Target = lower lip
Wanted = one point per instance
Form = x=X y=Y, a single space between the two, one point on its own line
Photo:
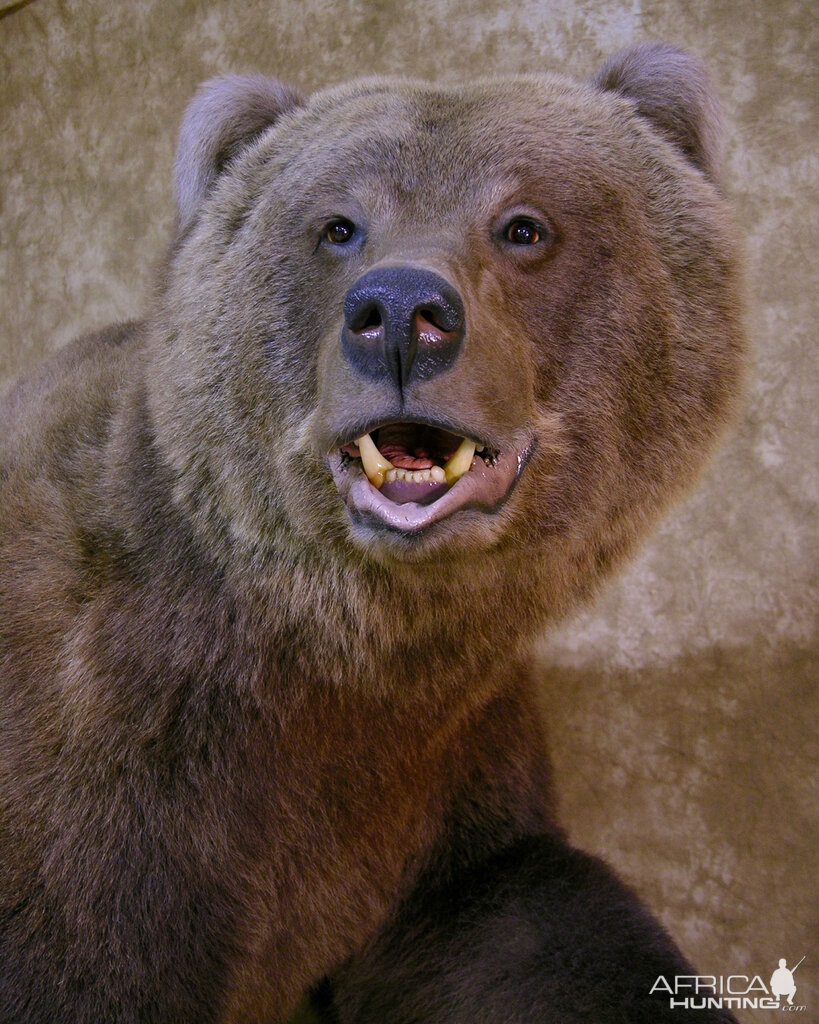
x=424 y=492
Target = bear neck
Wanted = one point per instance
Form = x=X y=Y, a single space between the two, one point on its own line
x=325 y=616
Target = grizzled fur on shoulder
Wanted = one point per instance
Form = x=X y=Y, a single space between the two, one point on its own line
x=423 y=366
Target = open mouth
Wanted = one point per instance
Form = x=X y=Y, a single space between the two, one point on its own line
x=406 y=476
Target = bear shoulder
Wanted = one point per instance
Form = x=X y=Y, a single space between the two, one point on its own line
x=64 y=406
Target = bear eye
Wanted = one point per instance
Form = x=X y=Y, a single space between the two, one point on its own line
x=339 y=231
x=522 y=231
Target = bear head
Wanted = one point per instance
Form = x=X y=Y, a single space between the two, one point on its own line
x=404 y=326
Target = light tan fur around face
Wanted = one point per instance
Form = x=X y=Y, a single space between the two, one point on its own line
x=233 y=707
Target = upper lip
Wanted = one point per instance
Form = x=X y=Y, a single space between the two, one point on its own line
x=350 y=434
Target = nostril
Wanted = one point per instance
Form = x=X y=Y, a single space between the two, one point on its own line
x=367 y=319
x=429 y=315
x=373 y=319
x=441 y=319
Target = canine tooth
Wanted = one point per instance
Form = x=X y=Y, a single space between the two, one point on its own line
x=375 y=465
x=437 y=474
x=460 y=462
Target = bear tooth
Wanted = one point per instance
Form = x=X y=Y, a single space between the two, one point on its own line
x=460 y=462
x=379 y=469
x=375 y=465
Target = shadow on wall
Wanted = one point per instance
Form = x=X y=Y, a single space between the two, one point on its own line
x=677 y=775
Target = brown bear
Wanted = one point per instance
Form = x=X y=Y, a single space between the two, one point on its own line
x=422 y=366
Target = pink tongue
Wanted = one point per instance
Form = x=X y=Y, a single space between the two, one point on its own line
x=424 y=492
x=402 y=460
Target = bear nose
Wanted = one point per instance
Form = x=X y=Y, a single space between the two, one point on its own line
x=402 y=323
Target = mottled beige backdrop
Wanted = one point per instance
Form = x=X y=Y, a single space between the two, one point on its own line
x=682 y=706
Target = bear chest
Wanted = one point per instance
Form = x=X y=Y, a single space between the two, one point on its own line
x=339 y=826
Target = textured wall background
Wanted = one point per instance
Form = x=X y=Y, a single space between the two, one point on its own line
x=682 y=705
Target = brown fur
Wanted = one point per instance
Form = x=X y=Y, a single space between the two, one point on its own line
x=237 y=728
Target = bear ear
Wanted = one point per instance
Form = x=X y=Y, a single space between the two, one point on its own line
x=225 y=116
x=673 y=91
